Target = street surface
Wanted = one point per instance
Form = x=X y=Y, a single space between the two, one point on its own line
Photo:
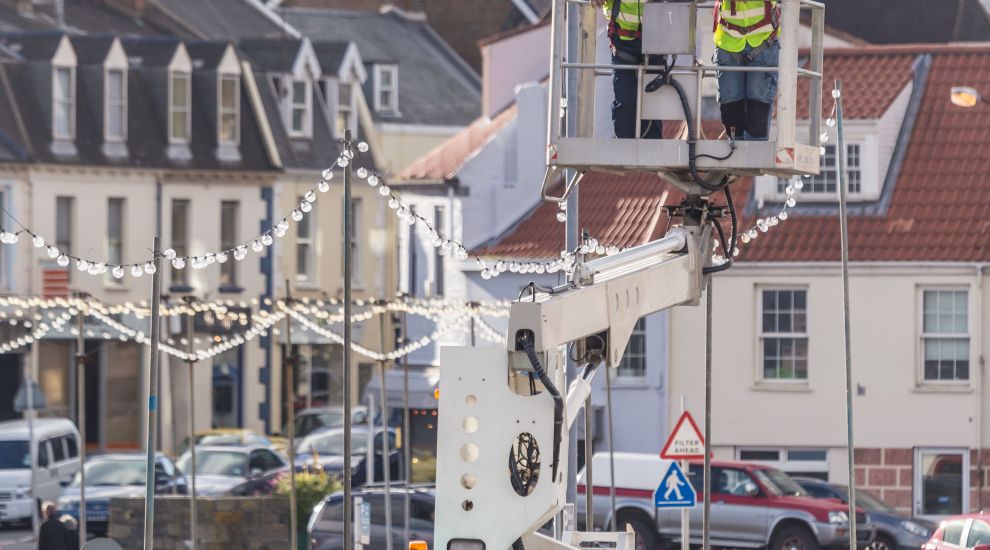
x=16 y=538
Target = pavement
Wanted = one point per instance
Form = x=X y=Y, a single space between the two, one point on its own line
x=16 y=538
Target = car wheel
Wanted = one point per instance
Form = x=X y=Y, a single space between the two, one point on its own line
x=646 y=535
x=882 y=542
x=794 y=538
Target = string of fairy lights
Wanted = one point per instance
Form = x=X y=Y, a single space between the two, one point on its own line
x=313 y=314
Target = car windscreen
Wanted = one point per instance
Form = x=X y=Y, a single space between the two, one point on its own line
x=112 y=473
x=14 y=455
x=220 y=439
x=779 y=483
x=333 y=445
x=865 y=500
x=219 y=463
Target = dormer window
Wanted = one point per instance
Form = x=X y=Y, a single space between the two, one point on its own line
x=345 y=109
x=64 y=103
x=179 y=119
x=300 y=108
x=386 y=88
x=825 y=184
x=229 y=110
x=116 y=105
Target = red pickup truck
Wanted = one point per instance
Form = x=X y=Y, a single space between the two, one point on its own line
x=752 y=506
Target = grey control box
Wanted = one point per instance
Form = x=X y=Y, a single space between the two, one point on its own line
x=669 y=27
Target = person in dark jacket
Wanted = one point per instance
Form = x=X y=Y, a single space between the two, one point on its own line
x=53 y=535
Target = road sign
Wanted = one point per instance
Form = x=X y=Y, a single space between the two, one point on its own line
x=675 y=491
x=685 y=442
x=37 y=398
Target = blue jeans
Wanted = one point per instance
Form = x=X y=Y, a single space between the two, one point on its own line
x=625 y=84
x=747 y=98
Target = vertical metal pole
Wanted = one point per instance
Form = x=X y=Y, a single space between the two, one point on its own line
x=386 y=455
x=190 y=363
x=29 y=384
x=844 y=226
x=406 y=438
x=288 y=365
x=81 y=415
x=152 y=429
x=685 y=513
x=611 y=448
x=706 y=518
x=589 y=482
x=348 y=524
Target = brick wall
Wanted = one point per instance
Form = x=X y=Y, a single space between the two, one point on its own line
x=247 y=523
x=889 y=474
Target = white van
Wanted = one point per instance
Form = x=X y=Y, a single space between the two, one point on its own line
x=56 y=442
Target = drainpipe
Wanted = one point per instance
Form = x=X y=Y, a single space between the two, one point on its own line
x=978 y=332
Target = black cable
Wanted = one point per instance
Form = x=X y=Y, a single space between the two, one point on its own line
x=728 y=248
x=558 y=401
x=692 y=139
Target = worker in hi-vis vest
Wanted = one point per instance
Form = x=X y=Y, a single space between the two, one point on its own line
x=746 y=36
x=625 y=25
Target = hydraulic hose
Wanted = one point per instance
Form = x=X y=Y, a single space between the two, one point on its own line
x=558 y=400
x=730 y=247
x=692 y=137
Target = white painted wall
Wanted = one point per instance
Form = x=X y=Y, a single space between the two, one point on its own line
x=506 y=63
x=897 y=410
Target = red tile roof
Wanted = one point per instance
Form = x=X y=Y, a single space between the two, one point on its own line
x=443 y=162
x=872 y=78
x=936 y=213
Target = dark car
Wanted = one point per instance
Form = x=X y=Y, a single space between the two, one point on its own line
x=114 y=476
x=226 y=470
x=326 y=448
x=326 y=523
x=895 y=531
x=968 y=532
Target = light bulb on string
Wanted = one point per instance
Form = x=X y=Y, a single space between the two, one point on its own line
x=562 y=216
x=211 y=258
x=297 y=215
x=384 y=190
x=240 y=253
x=373 y=180
x=328 y=174
x=169 y=254
x=267 y=239
x=118 y=272
x=305 y=206
x=38 y=241
x=310 y=196
x=136 y=271
x=362 y=146
x=342 y=161
x=179 y=263
x=362 y=172
x=799 y=185
x=348 y=153
x=323 y=186
x=791 y=202
x=257 y=246
x=62 y=260
x=82 y=265
x=393 y=203
x=150 y=268
x=783 y=216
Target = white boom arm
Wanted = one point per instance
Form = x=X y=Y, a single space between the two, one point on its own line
x=501 y=452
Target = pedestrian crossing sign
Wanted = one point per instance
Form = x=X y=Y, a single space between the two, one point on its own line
x=675 y=491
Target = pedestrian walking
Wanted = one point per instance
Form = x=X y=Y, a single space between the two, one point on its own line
x=53 y=534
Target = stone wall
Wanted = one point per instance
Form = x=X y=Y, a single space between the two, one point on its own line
x=248 y=523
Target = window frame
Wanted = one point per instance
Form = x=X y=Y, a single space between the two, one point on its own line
x=70 y=101
x=922 y=335
x=229 y=269
x=350 y=110
x=393 y=88
x=917 y=481
x=64 y=242
x=807 y=193
x=180 y=277
x=121 y=104
x=307 y=107
x=639 y=331
x=762 y=336
x=784 y=462
x=235 y=111
x=440 y=224
x=309 y=241
x=172 y=110
x=110 y=239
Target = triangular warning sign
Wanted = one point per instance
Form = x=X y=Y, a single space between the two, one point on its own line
x=685 y=442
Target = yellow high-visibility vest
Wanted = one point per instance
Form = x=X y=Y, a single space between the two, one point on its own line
x=742 y=22
x=628 y=21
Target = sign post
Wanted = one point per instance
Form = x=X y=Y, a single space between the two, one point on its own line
x=675 y=491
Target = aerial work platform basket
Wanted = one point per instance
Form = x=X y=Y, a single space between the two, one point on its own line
x=669 y=29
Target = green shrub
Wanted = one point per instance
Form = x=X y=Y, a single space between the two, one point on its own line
x=311 y=488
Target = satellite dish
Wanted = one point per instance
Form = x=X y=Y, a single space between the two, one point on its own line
x=101 y=544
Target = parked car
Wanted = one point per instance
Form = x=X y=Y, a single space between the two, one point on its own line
x=326 y=524
x=895 y=531
x=326 y=448
x=969 y=532
x=752 y=506
x=56 y=444
x=114 y=476
x=311 y=420
x=237 y=437
x=228 y=470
